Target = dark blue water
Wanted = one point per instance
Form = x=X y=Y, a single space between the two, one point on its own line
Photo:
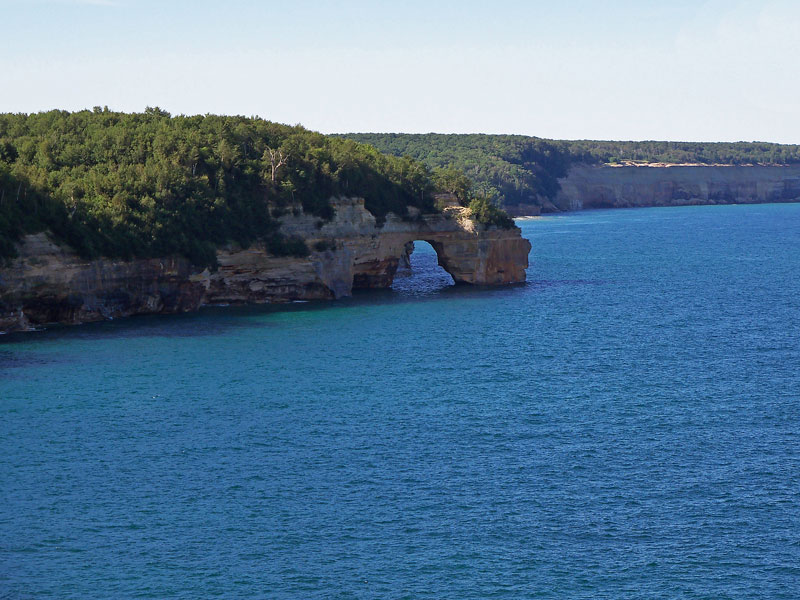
x=625 y=425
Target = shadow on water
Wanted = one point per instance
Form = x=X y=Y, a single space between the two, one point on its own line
x=423 y=276
x=210 y=321
x=218 y=320
x=10 y=360
x=426 y=281
x=194 y=324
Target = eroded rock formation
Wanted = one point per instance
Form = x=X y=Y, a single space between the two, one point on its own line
x=677 y=185
x=51 y=284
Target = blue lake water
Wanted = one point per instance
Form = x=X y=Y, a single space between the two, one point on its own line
x=624 y=425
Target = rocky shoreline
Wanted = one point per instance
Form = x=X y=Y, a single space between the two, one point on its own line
x=48 y=284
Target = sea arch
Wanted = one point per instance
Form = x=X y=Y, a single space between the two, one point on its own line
x=481 y=257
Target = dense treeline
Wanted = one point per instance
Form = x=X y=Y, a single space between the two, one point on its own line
x=517 y=169
x=706 y=153
x=149 y=184
x=511 y=168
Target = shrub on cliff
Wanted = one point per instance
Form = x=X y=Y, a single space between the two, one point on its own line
x=485 y=212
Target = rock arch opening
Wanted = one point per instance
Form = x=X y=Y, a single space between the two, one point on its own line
x=420 y=269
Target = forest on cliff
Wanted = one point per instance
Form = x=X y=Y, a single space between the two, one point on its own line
x=516 y=169
x=149 y=184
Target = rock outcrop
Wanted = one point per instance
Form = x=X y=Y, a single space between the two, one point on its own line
x=528 y=210
x=47 y=283
x=676 y=185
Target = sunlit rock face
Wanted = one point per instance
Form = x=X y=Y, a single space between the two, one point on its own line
x=677 y=185
x=471 y=253
x=51 y=284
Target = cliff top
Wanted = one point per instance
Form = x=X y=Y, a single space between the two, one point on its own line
x=149 y=184
x=661 y=165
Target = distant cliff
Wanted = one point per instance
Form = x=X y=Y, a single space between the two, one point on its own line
x=48 y=283
x=588 y=186
x=526 y=174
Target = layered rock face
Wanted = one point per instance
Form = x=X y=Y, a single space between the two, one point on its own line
x=678 y=185
x=50 y=284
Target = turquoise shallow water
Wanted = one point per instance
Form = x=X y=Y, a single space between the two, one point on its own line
x=624 y=425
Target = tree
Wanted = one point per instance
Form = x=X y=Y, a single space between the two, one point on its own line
x=453 y=181
x=276 y=161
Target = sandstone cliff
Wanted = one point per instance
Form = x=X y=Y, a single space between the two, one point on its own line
x=51 y=284
x=677 y=185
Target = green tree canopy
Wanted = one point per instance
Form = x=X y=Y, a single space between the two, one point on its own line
x=150 y=184
x=526 y=170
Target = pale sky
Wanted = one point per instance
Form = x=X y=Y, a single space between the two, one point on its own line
x=717 y=70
